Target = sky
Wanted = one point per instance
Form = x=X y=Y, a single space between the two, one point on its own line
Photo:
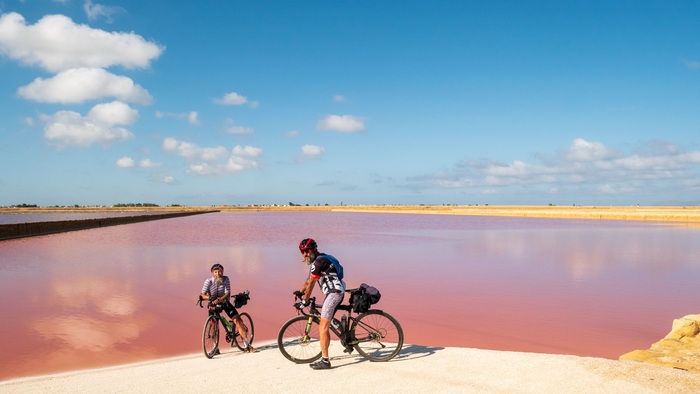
x=349 y=102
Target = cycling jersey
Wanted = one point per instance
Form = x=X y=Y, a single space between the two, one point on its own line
x=217 y=290
x=324 y=271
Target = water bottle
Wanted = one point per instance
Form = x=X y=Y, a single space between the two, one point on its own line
x=335 y=323
x=343 y=322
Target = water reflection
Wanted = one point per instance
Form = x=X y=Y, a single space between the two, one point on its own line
x=126 y=293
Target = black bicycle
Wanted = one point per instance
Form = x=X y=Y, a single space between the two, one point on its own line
x=210 y=334
x=375 y=334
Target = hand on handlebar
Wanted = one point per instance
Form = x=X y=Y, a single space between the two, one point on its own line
x=298 y=294
x=300 y=305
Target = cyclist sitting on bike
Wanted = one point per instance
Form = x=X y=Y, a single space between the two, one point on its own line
x=324 y=269
x=217 y=289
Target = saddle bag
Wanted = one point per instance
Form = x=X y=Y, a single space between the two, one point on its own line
x=364 y=297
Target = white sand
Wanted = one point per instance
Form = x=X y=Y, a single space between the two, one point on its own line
x=415 y=369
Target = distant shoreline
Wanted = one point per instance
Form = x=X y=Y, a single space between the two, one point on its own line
x=689 y=214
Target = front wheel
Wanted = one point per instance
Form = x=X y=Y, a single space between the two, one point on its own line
x=210 y=336
x=298 y=339
x=377 y=336
x=248 y=325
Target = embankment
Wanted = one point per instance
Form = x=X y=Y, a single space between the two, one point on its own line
x=19 y=230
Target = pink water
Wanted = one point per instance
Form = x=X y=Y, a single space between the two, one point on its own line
x=127 y=293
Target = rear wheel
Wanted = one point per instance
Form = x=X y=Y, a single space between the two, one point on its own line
x=248 y=324
x=377 y=336
x=210 y=336
x=298 y=339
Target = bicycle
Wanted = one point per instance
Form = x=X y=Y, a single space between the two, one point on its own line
x=375 y=334
x=210 y=334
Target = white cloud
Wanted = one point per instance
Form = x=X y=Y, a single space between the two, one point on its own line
x=582 y=150
x=341 y=123
x=163 y=178
x=125 y=162
x=247 y=151
x=230 y=128
x=66 y=128
x=148 y=163
x=114 y=113
x=27 y=120
x=232 y=98
x=191 y=151
x=192 y=116
x=338 y=98
x=214 y=161
x=55 y=43
x=291 y=134
x=77 y=85
x=310 y=152
x=95 y=11
x=584 y=165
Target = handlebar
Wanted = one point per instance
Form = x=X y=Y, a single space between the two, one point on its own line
x=311 y=305
x=201 y=300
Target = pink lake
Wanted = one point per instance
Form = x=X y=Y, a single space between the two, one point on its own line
x=127 y=293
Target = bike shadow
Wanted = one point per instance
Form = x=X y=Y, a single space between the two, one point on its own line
x=407 y=353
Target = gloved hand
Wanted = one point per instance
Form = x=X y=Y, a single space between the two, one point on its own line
x=298 y=294
x=300 y=305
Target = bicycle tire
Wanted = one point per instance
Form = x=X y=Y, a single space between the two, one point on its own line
x=210 y=336
x=295 y=345
x=376 y=335
x=248 y=323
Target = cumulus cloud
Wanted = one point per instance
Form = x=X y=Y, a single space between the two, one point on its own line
x=214 y=161
x=192 y=116
x=100 y=125
x=584 y=165
x=230 y=128
x=310 y=152
x=80 y=84
x=148 y=163
x=55 y=43
x=341 y=123
x=128 y=162
x=125 y=162
x=163 y=178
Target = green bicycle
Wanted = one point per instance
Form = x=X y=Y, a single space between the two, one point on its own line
x=210 y=334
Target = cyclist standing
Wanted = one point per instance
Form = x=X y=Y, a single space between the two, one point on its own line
x=217 y=289
x=326 y=270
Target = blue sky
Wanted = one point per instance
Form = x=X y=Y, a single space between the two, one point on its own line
x=354 y=102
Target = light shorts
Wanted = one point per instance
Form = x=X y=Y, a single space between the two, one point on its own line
x=330 y=304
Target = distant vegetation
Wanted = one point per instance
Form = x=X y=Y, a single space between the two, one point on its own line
x=138 y=205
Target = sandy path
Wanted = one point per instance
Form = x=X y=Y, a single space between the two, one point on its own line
x=416 y=369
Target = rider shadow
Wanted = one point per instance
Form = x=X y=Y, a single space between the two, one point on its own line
x=407 y=353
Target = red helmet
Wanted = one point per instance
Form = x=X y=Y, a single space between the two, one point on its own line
x=306 y=244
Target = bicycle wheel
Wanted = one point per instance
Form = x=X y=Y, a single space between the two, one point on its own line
x=248 y=324
x=296 y=344
x=377 y=336
x=210 y=336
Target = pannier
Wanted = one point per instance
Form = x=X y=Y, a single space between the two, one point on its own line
x=364 y=297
